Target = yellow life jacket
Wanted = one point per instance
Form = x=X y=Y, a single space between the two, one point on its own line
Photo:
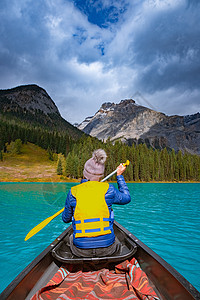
x=91 y=215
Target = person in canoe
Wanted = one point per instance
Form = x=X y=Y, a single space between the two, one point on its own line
x=89 y=207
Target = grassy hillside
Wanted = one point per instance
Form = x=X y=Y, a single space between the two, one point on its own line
x=32 y=164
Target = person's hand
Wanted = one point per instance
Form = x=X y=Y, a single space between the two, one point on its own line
x=120 y=169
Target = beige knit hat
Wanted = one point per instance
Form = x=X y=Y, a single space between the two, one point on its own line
x=94 y=167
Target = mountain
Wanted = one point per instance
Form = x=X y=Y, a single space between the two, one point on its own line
x=31 y=104
x=132 y=123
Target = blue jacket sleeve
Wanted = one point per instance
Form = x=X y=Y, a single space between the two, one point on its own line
x=122 y=196
x=68 y=211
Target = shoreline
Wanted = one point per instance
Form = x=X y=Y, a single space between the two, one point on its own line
x=62 y=179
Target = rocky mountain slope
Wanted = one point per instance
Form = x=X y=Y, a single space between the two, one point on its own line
x=31 y=104
x=129 y=122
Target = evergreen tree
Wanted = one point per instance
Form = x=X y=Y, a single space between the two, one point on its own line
x=151 y=164
x=181 y=166
x=50 y=154
x=162 y=171
x=136 y=165
x=176 y=171
x=70 y=166
x=156 y=165
x=59 y=166
x=16 y=146
x=172 y=165
x=141 y=163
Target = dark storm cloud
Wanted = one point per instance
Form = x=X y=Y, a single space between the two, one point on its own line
x=24 y=39
x=22 y=29
x=167 y=50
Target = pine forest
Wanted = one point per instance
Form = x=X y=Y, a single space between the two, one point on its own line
x=146 y=164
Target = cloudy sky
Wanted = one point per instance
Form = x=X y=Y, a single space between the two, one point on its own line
x=87 y=52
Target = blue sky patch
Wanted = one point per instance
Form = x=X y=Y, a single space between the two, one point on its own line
x=99 y=14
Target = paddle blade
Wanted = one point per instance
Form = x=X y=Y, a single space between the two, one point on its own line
x=127 y=163
x=40 y=226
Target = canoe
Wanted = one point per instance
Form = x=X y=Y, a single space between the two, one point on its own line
x=167 y=282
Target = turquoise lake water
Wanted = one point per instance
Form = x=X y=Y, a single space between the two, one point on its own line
x=164 y=216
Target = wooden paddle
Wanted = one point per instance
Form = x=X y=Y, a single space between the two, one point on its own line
x=40 y=226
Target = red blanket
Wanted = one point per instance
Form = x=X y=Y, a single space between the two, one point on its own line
x=128 y=281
